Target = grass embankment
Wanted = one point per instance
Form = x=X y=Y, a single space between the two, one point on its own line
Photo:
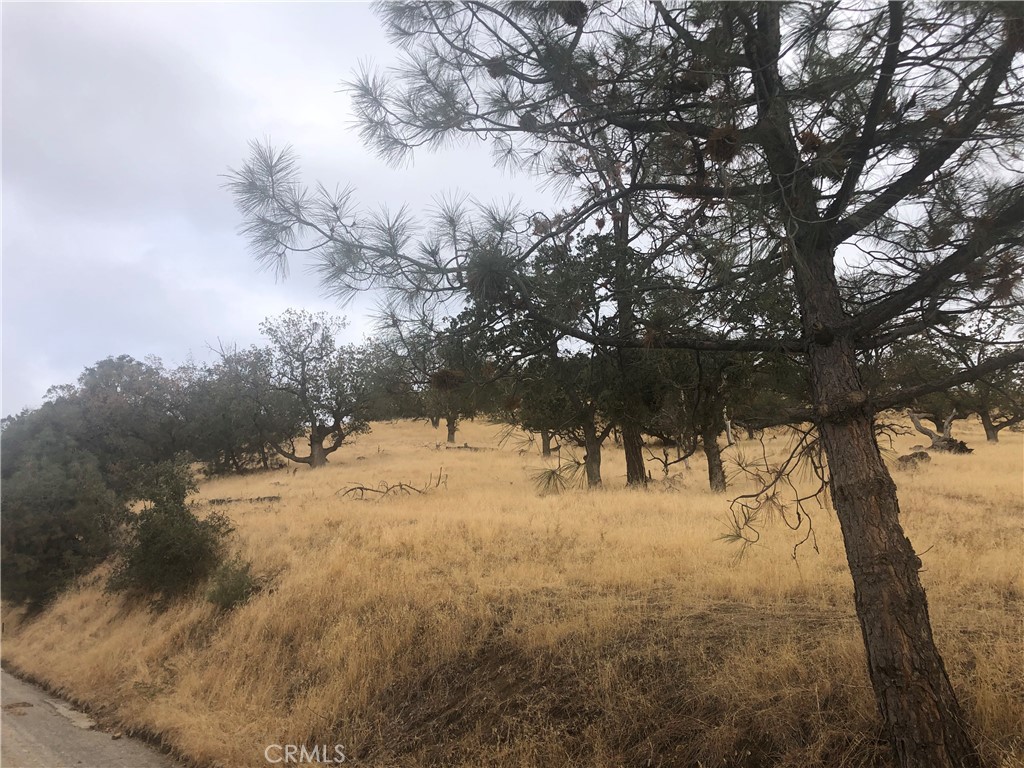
x=480 y=624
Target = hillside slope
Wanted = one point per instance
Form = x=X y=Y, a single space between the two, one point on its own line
x=479 y=623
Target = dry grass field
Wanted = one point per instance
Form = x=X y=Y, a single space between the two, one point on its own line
x=482 y=624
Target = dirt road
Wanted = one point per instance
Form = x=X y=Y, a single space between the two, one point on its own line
x=41 y=731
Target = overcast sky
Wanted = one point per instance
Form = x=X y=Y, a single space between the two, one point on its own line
x=118 y=123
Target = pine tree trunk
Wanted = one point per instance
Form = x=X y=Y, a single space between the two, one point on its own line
x=545 y=443
x=920 y=711
x=592 y=459
x=991 y=432
x=716 y=472
x=633 y=443
x=921 y=714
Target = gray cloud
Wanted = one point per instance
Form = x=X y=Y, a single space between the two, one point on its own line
x=119 y=121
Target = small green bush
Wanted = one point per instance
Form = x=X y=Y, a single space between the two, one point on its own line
x=168 y=551
x=233 y=583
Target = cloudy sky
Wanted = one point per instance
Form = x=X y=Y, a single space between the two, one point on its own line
x=119 y=121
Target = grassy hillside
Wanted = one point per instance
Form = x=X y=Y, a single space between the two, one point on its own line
x=481 y=624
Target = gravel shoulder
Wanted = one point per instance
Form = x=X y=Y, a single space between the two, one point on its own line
x=42 y=731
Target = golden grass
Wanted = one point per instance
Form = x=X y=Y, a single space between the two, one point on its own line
x=481 y=624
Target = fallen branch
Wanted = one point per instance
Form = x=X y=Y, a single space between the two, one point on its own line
x=257 y=500
x=384 y=489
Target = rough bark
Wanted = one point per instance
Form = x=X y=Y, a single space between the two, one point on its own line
x=922 y=716
x=920 y=711
x=633 y=443
x=713 y=453
x=452 y=423
x=317 y=454
x=545 y=443
x=991 y=431
x=592 y=459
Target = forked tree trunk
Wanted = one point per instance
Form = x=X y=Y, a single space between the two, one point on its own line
x=633 y=444
x=945 y=441
x=946 y=426
x=713 y=453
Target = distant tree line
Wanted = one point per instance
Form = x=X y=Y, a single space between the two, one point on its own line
x=72 y=468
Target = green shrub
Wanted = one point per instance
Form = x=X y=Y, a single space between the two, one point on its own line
x=233 y=584
x=168 y=551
